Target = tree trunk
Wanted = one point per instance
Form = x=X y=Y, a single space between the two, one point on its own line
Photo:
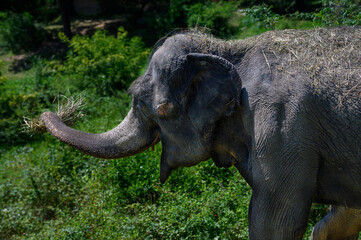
x=65 y=10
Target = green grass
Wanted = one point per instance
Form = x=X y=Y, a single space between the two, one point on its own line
x=51 y=191
x=7 y=60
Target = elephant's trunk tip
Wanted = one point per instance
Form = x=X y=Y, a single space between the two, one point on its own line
x=33 y=125
x=37 y=125
x=68 y=113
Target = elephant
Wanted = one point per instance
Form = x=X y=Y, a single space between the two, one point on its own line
x=283 y=107
x=340 y=223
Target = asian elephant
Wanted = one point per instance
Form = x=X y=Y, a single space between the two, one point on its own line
x=284 y=108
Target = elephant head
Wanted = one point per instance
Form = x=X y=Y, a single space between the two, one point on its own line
x=177 y=101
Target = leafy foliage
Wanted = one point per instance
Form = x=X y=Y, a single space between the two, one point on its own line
x=23 y=97
x=75 y=196
x=100 y=65
x=339 y=12
x=213 y=15
x=19 y=33
x=103 y=62
x=263 y=14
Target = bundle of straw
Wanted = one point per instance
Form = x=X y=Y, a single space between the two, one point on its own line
x=69 y=112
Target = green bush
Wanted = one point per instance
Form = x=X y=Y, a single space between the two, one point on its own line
x=104 y=63
x=37 y=185
x=12 y=109
x=258 y=19
x=216 y=16
x=339 y=12
x=99 y=65
x=264 y=15
x=19 y=33
x=46 y=179
x=26 y=96
x=333 y=13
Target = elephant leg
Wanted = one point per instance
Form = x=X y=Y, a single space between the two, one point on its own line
x=341 y=223
x=278 y=215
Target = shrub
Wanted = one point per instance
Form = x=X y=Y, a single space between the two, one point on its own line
x=102 y=62
x=333 y=13
x=339 y=12
x=213 y=15
x=39 y=183
x=99 y=65
x=19 y=33
x=23 y=97
x=13 y=107
x=264 y=15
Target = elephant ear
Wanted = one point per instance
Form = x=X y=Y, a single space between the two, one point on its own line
x=212 y=88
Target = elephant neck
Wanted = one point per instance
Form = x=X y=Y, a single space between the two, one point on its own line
x=232 y=144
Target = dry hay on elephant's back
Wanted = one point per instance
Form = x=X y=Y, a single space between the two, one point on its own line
x=326 y=55
x=330 y=57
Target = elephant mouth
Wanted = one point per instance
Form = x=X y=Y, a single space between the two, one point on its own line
x=155 y=142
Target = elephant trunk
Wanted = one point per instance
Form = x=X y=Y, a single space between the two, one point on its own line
x=131 y=136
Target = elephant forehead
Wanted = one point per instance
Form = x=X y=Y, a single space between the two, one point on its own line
x=171 y=49
x=164 y=78
x=162 y=60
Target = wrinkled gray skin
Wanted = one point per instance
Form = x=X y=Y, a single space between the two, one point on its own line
x=340 y=223
x=292 y=146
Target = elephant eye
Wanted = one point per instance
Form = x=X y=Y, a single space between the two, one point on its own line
x=140 y=104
